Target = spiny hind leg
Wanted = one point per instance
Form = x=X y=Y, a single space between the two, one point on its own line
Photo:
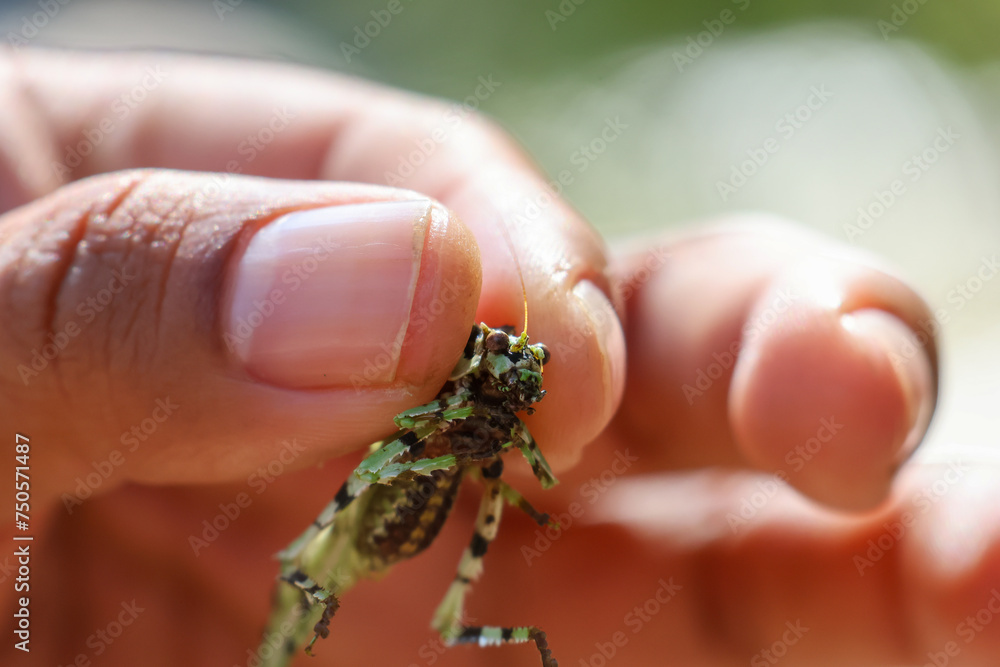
x=496 y=636
x=448 y=617
x=511 y=495
x=539 y=466
x=515 y=499
x=316 y=594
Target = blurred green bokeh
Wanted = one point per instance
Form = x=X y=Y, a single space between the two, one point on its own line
x=439 y=43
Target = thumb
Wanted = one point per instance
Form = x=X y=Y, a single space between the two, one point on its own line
x=171 y=327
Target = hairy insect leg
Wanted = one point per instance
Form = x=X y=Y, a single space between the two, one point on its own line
x=313 y=591
x=456 y=406
x=539 y=466
x=510 y=494
x=447 y=618
x=515 y=499
x=497 y=636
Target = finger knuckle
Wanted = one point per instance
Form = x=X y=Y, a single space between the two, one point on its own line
x=81 y=287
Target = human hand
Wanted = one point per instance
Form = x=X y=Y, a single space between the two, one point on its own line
x=151 y=338
x=162 y=337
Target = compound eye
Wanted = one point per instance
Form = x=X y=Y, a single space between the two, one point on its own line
x=497 y=341
x=546 y=355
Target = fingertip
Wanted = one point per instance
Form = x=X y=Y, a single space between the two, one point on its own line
x=585 y=379
x=444 y=302
x=610 y=339
x=820 y=396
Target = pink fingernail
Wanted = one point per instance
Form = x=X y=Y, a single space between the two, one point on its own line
x=322 y=297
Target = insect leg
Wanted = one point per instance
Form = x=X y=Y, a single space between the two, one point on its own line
x=313 y=591
x=456 y=406
x=510 y=494
x=366 y=474
x=472 y=353
x=447 y=618
x=515 y=499
x=530 y=449
x=496 y=636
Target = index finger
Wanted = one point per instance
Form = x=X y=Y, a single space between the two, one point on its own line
x=79 y=114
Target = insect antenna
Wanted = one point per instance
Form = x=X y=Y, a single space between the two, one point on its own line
x=523 y=339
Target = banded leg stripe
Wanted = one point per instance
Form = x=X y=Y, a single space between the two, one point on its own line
x=448 y=617
x=496 y=636
x=493 y=636
x=305 y=583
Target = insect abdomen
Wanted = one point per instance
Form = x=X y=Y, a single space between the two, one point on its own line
x=416 y=519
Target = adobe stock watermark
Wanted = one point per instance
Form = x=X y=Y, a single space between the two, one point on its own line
x=958 y=297
x=85 y=313
x=705 y=377
x=249 y=149
x=33 y=24
x=652 y=262
x=750 y=505
x=967 y=630
x=785 y=128
x=562 y=12
x=258 y=481
x=274 y=642
x=967 y=290
x=580 y=159
x=452 y=117
x=697 y=44
x=922 y=501
x=635 y=621
x=363 y=34
x=121 y=107
x=624 y=289
x=132 y=439
x=101 y=639
x=771 y=655
x=290 y=280
x=912 y=170
x=589 y=493
x=7 y=569
x=901 y=13
x=433 y=649
x=421 y=317
x=223 y=7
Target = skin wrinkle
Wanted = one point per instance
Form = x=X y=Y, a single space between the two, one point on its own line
x=78 y=231
x=115 y=211
x=184 y=222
